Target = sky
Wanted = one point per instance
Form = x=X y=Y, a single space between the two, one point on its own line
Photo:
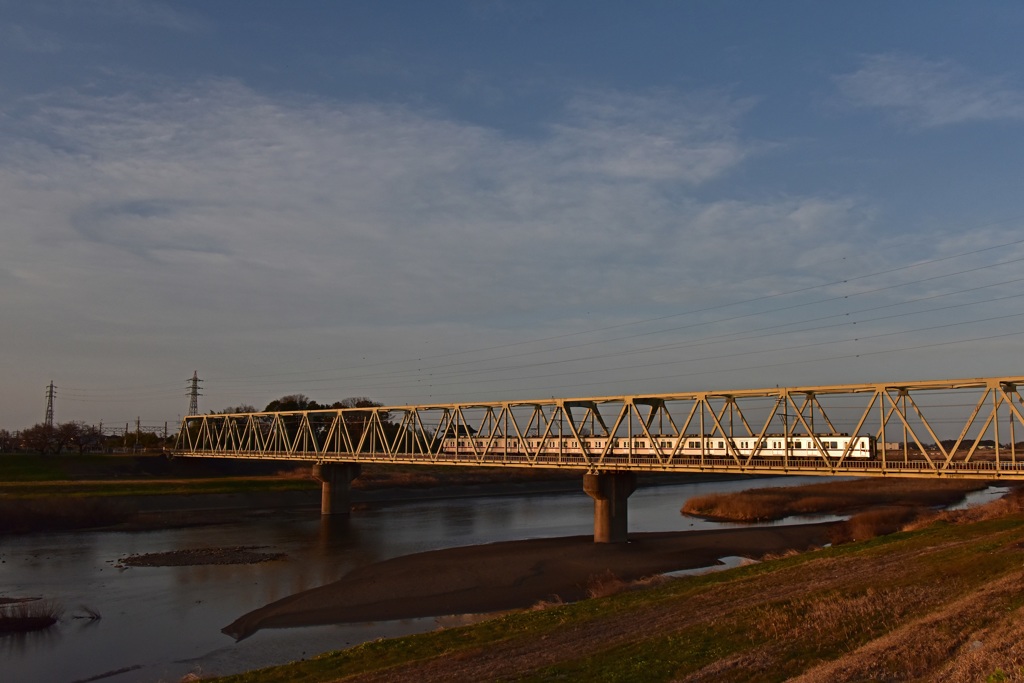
x=456 y=201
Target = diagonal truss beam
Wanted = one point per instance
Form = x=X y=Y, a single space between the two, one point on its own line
x=936 y=428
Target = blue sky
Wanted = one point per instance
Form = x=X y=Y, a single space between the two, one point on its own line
x=457 y=201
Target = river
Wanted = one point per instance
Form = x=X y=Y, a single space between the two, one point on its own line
x=162 y=623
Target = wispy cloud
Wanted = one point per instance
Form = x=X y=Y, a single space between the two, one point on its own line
x=337 y=194
x=140 y=12
x=931 y=93
x=657 y=136
x=208 y=216
x=27 y=39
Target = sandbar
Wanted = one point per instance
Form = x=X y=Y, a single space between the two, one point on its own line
x=514 y=575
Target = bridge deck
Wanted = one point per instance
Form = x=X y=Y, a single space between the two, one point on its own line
x=862 y=468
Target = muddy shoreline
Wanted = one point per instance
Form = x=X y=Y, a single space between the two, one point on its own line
x=515 y=575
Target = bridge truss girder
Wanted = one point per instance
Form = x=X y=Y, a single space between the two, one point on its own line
x=560 y=433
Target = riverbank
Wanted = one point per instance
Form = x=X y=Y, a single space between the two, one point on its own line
x=33 y=503
x=940 y=601
x=515 y=575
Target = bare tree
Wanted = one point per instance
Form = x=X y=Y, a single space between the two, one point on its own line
x=83 y=437
x=8 y=442
x=40 y=438
x=235 y=410
x=292 y=402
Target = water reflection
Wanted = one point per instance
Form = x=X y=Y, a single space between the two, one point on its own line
x=18 y=644
x=986 y=495
x=164 y=622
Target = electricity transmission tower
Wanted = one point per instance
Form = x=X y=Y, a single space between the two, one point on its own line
x=193 y=394
x=51 y=392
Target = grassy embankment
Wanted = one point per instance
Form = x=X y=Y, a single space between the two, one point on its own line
x=42 y=493
x=939 y=601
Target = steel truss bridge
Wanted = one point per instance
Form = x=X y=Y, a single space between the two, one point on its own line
x=966 y=428
x=817 y=430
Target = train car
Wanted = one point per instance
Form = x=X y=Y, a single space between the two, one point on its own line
x=688 y=446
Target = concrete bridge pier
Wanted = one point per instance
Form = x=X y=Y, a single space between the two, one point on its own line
x=335 y=486
x=610 y=491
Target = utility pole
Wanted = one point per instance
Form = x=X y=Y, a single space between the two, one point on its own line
x=193 y=393
x=51 y=393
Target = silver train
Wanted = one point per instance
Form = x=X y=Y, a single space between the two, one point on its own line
x=687 y=446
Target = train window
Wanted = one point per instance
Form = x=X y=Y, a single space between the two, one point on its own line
x=797 y=444
x=721 y=444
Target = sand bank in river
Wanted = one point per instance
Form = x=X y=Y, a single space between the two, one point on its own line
x=513 y=575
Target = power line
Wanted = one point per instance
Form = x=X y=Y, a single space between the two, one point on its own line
x=470 y=371
x=446 y=370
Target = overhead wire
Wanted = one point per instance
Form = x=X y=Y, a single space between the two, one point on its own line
x=678 y=345
x=431 y=375
x=590 y=331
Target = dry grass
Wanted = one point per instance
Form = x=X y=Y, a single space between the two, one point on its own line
x=758 y=505
x=832 y=616
x=780 y=556
x=967 y=639
x=1011 y=503
x=29 y=615
x=866 y=525
x=540 y=605
x=606 y=584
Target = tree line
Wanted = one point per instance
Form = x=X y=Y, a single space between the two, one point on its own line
x=74 y=437
x=298 y=402
x=79 y=437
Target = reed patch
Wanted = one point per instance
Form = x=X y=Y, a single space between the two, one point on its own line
x=843 y=497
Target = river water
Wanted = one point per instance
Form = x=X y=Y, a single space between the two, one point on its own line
x=161 y=623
